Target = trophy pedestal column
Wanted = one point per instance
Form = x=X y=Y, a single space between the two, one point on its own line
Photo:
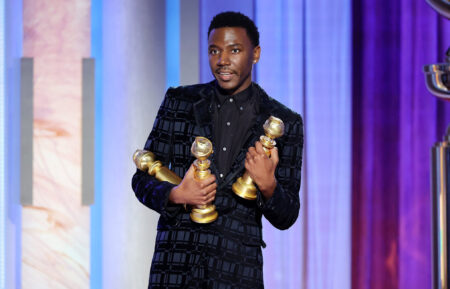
x=202 y=149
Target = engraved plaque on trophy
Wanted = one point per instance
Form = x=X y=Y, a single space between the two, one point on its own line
x=273 y=128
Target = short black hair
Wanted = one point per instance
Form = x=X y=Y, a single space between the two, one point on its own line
x=235 y=19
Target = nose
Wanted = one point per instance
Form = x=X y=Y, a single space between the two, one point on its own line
x=223 y=59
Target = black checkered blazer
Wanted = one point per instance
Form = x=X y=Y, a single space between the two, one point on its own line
x=227 y=252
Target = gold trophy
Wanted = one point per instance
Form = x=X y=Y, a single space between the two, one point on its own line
x=146 y=161
x=273 y=128
x=202 y=148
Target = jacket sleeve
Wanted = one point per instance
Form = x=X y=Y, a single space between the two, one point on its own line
x=151 y=192
x=282 y=209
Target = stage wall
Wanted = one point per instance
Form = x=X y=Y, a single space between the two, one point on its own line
x=351 y=69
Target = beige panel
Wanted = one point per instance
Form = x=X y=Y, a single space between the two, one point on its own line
x=55 y=228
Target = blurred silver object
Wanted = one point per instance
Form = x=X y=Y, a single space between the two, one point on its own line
x=441 y=6
x=437 y=78
x=440 y=185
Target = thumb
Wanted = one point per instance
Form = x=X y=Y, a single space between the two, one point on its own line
x=190 y=172
x=274 y=155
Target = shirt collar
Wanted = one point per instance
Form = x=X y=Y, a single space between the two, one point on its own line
x=239 y=98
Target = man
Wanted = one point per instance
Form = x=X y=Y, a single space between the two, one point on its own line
x=229 y=111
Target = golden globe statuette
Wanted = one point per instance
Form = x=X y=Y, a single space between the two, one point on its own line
x=146 y=161
x=273 y=128
x=202 y=148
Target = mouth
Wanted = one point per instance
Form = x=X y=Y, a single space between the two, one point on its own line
x=224 y=75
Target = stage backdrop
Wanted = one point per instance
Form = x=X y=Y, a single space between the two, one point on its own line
x=395 y=123
x=352 y=69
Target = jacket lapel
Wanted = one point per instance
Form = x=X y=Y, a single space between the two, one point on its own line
x=203 y=112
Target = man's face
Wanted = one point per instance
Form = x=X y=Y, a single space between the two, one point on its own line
x=231 y=57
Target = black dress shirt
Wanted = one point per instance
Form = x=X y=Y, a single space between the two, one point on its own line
x=233 y=117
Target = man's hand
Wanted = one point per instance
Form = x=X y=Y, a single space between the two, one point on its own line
x=194 y=192
x=262 y=168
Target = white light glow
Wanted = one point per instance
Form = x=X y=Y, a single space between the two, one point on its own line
x=2 y=146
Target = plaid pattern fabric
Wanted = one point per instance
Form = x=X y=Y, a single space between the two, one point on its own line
x=227 y=252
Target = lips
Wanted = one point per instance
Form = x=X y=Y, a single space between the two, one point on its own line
x=224 y=75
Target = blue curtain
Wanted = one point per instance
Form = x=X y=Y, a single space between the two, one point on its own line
x=306 y=64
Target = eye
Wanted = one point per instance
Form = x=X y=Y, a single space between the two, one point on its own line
x=235 y=50
x=213 y=51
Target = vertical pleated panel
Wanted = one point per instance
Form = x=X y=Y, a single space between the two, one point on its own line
x=306 y=64
x=55 y=226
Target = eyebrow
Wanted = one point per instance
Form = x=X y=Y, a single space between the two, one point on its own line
x=230 y=45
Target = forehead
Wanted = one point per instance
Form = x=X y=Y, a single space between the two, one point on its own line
x=228 y=36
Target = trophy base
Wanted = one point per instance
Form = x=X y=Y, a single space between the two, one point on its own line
x=204 y=214
x=244 y=190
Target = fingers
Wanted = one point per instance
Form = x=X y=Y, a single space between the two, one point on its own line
x=208 y=181
x=211 y=179
x=259 y=165
x=209 y=198
x=193 y=191
x=190 y=172
x=209 y=188
x=206 y=197
x=252 y=152
x=274 y=155
x=255 y=153
x=259 y=148
x=258 y=151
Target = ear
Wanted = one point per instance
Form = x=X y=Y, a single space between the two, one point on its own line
x=256 y=54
